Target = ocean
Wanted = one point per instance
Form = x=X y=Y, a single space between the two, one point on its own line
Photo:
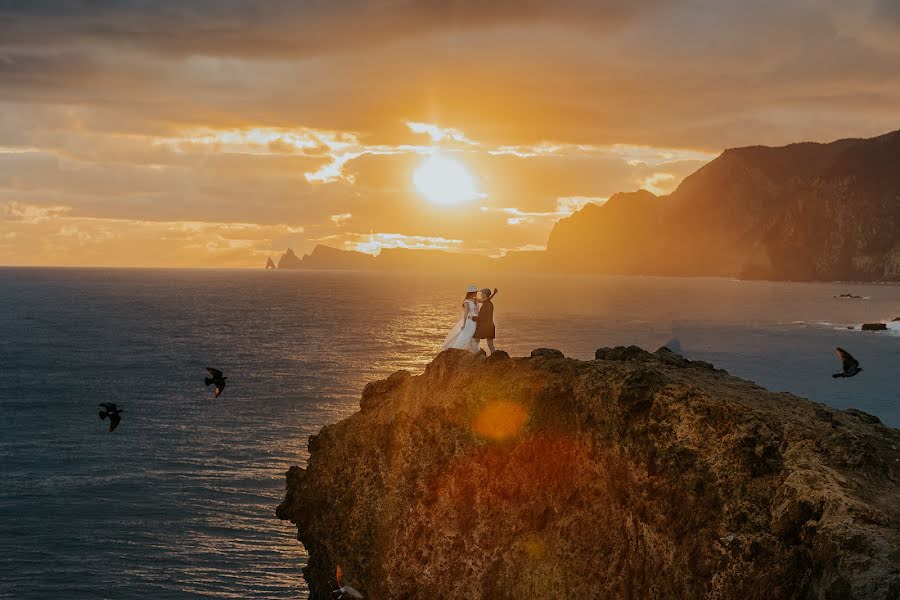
x=179 y=501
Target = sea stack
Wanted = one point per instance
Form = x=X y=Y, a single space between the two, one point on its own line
x=635 y=475
x=270 y=264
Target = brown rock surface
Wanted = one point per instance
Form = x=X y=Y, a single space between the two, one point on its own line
x=638 y=477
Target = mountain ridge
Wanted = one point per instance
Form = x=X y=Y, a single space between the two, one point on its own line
x=804 y=211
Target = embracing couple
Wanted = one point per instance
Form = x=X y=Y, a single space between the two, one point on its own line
x=476 y=324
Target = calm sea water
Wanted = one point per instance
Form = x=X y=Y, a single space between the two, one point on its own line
x=179 y=501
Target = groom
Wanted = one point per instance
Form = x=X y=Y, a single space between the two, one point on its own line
x=484 y=320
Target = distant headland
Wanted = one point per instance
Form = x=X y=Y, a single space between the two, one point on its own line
x=802 y=212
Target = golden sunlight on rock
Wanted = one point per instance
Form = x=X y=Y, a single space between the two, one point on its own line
x=500 y=419
x=534 y=548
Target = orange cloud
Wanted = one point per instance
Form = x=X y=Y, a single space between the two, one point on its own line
x=340 y=219
x=374 y=243
x=303 y=114
x=34 y=235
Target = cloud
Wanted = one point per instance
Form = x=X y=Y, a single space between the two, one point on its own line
x=312 y=181
x=572 y=204
x=660 y=183
x=27 y=213
x=35 y=235
x=374 y=243
x=440 y=134
x=503 y=72
x=565 y=207
x=285 y=114
x=283 y=27
x=340 y=219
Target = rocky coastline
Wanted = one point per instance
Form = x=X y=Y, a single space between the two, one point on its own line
x=635 y=475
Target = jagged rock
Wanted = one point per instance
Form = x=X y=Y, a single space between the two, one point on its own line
x=671 y=357
x=376 y=391
x=874 y=327
x=519 y=478
x=270 y=264
x=546 y=353
x=622 y=353
x=705 y=365
x=863 y=416
x=498 y=355
x=289 y=260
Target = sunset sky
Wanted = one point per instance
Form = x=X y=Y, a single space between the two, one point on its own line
x=219 y=132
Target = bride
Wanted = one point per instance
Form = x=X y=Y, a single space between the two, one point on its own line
x=460 y=336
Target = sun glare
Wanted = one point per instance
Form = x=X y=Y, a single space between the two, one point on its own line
x=445 y=181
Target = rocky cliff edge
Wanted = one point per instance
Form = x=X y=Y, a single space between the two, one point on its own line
x=635 y=475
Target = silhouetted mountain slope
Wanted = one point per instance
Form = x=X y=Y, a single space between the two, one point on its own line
x=389 y=259
x=610 y=238
x=289 y=260
x=803 y=211
x=326 y=257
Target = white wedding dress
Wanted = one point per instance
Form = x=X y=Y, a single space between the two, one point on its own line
x=460 y=337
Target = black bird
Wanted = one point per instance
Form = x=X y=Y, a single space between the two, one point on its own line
x=848 y=363
x=217 y=379
x=112 y=412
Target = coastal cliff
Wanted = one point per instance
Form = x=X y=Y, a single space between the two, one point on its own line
x=635 y=475
x=807 y=211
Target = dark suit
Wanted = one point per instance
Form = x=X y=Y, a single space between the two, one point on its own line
x=484 y=322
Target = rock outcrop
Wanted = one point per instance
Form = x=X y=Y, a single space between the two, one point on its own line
x=635 y=475
x=289 y=260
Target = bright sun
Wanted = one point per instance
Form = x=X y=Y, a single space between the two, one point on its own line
x=445 y=181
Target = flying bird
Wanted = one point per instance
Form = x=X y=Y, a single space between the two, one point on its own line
x=343 y=591
x=112 y=412
x=849 y=364
x=217 y=378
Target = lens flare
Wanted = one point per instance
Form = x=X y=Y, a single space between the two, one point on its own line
x=500 y=419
